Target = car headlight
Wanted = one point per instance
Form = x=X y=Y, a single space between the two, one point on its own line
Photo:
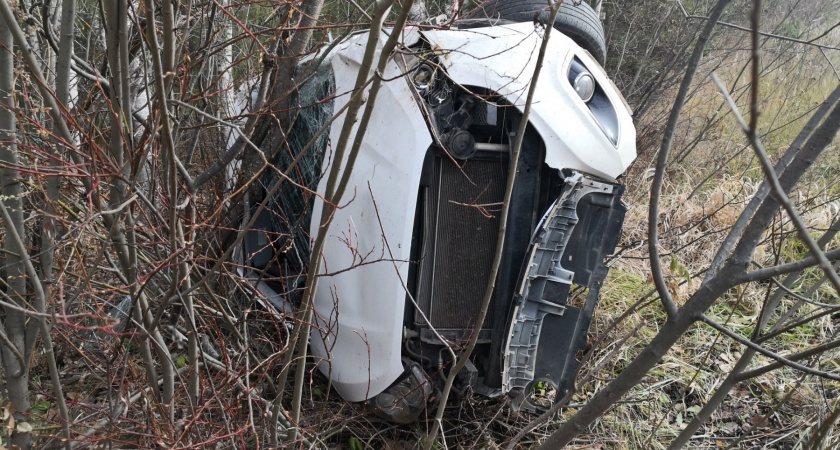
x=595 y=99
x=582 y=81
x=423 y=77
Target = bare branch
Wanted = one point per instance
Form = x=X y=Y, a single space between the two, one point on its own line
x=753 y=30
x=781 y=269
x=334 y=195
x=500 y=239
x=816 y=351
x=777 y=189
x=39 y=306
x=662 y=160
x=759 y=349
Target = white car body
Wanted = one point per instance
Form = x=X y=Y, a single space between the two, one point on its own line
x=360 y=304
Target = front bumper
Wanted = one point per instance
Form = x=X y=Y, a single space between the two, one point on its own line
x=547 y=331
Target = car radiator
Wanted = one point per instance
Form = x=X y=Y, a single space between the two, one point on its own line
x=461 y=214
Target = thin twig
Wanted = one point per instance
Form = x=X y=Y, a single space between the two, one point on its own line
x=500 y=240
x=754 y=31
x=668 y=303
x=781 y=269
x=758 y=348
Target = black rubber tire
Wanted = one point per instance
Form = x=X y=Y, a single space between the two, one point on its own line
x=579 y=22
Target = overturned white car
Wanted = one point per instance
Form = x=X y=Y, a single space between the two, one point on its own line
x=409 y=253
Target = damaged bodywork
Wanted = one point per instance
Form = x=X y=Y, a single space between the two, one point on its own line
x=408 y=257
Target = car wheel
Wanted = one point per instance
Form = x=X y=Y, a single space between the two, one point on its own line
x=575 y=19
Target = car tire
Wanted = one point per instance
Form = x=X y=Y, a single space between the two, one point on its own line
x=577 y=21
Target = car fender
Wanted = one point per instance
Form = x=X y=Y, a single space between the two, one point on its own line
x=359 y=305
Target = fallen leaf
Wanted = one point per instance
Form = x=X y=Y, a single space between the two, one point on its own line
x=729 y=427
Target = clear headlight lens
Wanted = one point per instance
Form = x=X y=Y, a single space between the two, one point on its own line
x=582 y=80
x=584 y=85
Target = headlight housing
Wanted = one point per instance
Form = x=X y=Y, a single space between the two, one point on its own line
x=595 y=99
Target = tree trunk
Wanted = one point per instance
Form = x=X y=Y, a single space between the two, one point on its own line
x=16 y=373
